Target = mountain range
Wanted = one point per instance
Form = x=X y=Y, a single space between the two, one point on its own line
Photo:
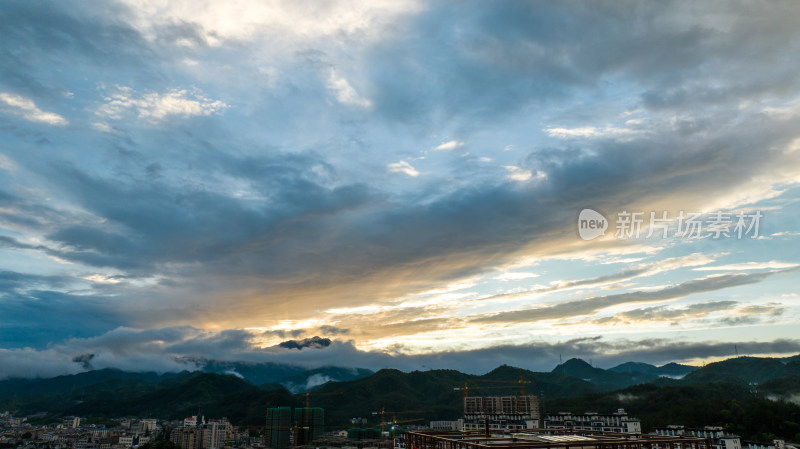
x=730 y=393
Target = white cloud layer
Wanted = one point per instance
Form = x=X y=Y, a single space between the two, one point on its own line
x=156 y=107
x=449 y=145
x=243 y=20
x=27 y=109
x=344 y=92
x=403 y=167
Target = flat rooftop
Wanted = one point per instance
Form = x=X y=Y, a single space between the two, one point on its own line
x=549 y=439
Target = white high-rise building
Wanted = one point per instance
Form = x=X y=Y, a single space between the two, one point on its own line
x=192 y=421
x=501 y=412
x=216 y=433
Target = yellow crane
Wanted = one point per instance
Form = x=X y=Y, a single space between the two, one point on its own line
x=308 y=395
x=306 y=421
x=383 y=413
x=394 y=422
x=521 y=382
x=465 y=389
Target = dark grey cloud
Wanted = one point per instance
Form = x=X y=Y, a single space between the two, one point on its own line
x=669 y=314
x=27 y=213
x=283 y=333
x=162 y=224
x=11 y=281
x=40 y=37
x=488 y=61
x=333 y=330
x=736 y=316
x=591 y=305
x=230 y=341
x=614 y=277
x=84 y=360
x=37 y=317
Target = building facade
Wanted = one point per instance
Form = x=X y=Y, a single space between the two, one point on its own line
x=719 y=438
x=187 y=437
x=215 y=433
x=309 y=424
x=501 y=412
x=279 y=423
x=618 y=422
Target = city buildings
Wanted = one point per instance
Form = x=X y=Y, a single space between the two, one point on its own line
x=73 y=433
x=147 y=425
x=197 y=434
x=720 y=439
x=615 y=422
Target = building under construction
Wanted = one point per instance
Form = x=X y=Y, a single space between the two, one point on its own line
x=549 y=439
x=501 y=412
x=283 y=432
x=279 y=426
x=309 y=424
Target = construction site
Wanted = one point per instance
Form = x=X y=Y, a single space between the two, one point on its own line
x=548 y=439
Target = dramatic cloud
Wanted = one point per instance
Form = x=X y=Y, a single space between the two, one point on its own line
x=407 y=174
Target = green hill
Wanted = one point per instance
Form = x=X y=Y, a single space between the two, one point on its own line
x=733 y=406
x=600 y=378
x=429 y=393
x=669 y=370
x=743 y=370
x=293 y=378
x=549 y=385
x=10 y=388
x=177 y=397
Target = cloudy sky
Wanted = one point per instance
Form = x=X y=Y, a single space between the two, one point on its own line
x=211 y=178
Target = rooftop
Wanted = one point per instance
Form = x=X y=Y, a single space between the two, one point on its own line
x=549 y=439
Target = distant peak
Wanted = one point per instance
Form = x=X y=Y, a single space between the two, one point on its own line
x=576 y=362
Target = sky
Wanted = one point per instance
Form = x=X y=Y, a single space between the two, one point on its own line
x=207 y=179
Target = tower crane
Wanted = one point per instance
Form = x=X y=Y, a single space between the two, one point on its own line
x=383 y=413
x=306 y=424
x=521 y=382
